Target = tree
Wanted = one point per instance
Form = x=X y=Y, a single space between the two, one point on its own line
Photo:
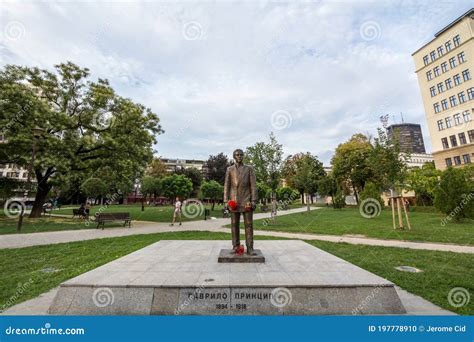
x=328 y=186
x=176 y=186
x=150 y=185
x=303 y=172
x=94 y=187
x=8 y=187
x=351 y=163
x=194 y=175
x=212 y=190
x=263 y=192
x=78 y=126
x=454 y=196
x=216 y=167
x=387 y=163
x=157 y=168
x=286 y=193
x=266 y=158
x=309 y=171
x=372 y=191
x=423 y=181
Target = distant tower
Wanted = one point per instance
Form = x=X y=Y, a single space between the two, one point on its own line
x=409 y=136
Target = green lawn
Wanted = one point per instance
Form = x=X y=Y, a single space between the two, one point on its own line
x=442 y=271
x=151 y=213
x=45 y=224
x=27 y=272
x=426 y=226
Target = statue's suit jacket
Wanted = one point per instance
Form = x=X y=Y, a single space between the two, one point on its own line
x=240 y=186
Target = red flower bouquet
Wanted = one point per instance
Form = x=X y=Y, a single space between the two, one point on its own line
x=232 y=205
x=239 y=250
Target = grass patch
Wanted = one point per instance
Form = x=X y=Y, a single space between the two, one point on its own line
x=151 y=213
x=442 y=271
x=45 y=224
x=40 y=268
x=426 y=226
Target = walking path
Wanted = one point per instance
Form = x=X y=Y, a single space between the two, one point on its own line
x=142 y=227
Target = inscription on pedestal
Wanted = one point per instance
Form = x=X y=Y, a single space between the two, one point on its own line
x=222 y=301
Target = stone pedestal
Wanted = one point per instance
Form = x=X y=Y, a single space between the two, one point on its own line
x=228 y=255
x=184 y=278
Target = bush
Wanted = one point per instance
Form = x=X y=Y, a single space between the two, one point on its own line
x=287 y=194
x=371 y=191
x=454 y=195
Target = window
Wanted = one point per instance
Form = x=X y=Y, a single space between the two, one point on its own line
x=433 y=55
x=470 y=134
x=470 y=93
x=457 y=119
x=444 y=141
x=447 y=45
x=448 y=84
x=426 y=60
x=440 y=125
x=462 y=138
x=448 y=162
x=440 y=50
x=453 y=101
x=461 y=97
x=466 y=159
x=444 y=104
x=453 y=140
x=448 y=122
x=457 y=79
x=444 y=67
x=466 y=116
x=436 y=71
x=457 y=160
x=466 y=75
x=461 y=57
x=452 y=62
x=433 y=91
x=436 y=107
x=457 y=40
x=429 y=76
x=440 y=87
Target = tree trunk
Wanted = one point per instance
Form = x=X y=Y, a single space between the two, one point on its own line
x=40 y=197
x=213 y=202
x=274 y=207
x=356 y=195
x=302 y=197
x=307 y=202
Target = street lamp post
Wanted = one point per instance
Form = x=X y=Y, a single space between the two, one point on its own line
x=36 y=134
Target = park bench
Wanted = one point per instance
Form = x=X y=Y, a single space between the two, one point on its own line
x=79 y=212
x=110 y=217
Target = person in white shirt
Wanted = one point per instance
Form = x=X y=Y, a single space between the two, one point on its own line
x=177 y=212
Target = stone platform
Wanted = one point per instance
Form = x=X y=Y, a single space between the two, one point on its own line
x=228 y=255
x=184 y=277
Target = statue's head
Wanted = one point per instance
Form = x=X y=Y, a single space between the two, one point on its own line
x=238 y=155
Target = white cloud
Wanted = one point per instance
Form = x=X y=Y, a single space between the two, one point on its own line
x=217 y=90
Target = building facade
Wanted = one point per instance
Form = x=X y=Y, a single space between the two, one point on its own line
x=409 y=136
x=174 y=164
x=418 y=160
x=444 y=67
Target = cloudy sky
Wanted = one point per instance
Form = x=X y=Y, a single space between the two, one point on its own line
x=224 y=74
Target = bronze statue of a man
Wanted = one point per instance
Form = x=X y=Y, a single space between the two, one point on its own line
x=240 y=197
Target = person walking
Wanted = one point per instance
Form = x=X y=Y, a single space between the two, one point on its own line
x=177 y=212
